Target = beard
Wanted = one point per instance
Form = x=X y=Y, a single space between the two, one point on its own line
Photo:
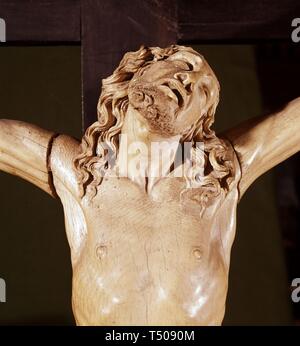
x=159 y=110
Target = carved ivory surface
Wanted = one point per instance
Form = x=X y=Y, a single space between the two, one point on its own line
x=150 y=193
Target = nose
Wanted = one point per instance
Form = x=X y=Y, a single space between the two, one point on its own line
x=183 y=77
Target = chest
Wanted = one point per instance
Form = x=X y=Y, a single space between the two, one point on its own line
x=123 y=220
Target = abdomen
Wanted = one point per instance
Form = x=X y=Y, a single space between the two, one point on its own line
x=149 y=283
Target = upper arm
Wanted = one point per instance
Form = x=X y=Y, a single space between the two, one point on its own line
x=264 y=142
x=24 y=151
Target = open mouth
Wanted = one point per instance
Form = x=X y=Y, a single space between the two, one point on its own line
x=175 y=90
x=179 y=97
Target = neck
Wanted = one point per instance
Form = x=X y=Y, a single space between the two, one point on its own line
x=144 y=157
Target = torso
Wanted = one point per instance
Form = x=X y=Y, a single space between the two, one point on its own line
x=151 y=260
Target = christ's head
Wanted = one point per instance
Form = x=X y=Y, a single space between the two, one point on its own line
x=173 y=94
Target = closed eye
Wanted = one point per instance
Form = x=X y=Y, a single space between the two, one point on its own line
x=189 y=65
x=184 y=65
x=143 y=70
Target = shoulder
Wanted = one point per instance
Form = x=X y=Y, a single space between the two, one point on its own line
x=63 y=152
x=263 y=142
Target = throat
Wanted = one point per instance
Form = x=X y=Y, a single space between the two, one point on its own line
x=144 y=157
x=148 y=164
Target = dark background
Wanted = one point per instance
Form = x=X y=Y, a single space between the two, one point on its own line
x=43 y=75
x=40 y=85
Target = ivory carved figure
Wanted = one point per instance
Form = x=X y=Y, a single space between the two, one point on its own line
x=151 y=238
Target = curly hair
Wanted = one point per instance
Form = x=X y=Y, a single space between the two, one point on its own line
x=102 y=136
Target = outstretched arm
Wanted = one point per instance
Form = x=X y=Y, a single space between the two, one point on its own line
x=24 y=151
x=46 y=160
x=263 y=142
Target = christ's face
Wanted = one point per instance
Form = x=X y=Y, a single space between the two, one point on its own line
x=170 y=94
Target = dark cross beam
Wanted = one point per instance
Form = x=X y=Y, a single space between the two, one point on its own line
x=107 y=29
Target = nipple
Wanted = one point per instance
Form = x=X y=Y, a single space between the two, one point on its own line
x=101 y=252
x=198 y=253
